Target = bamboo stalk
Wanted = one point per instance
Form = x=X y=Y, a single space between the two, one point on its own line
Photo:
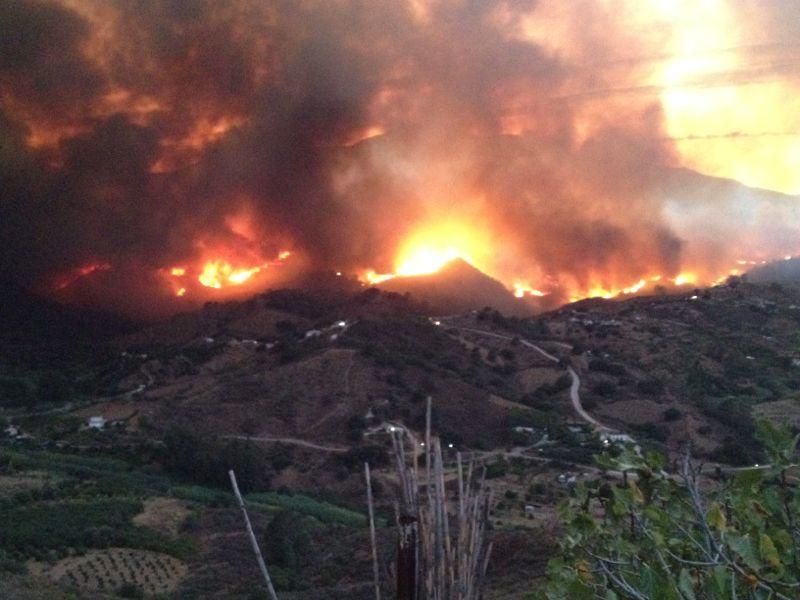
x=451 y=558
x=261 y=564
x=375 y=571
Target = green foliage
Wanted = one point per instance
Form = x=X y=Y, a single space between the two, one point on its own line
x=91 y=524
x=355 y=457
x=86 y=502
x=204 y=460
x=497 y=469
x=202 y=495
x=17 y=391
x=54 y=387
x=287 y=544
x=604 y=366
x=660 y=537
x=130 y=590
x=304 y=505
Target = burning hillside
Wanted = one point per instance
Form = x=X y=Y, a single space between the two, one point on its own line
x=154 y=156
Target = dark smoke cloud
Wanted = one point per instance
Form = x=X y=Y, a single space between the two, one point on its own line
x=131 y=131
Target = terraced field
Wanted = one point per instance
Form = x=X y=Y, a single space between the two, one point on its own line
x=112 y=568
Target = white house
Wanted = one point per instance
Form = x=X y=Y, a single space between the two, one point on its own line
x=616 y=438
x=98 y=422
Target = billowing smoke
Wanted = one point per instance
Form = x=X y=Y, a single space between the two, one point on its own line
x=141 y=137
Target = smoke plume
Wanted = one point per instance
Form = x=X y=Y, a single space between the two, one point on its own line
x=139 y=139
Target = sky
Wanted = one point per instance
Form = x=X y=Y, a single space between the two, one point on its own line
x=159 y=154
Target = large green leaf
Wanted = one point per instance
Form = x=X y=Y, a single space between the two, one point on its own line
x=716 y=517
x=743 y=548
x=686 y=585
x=768 y=551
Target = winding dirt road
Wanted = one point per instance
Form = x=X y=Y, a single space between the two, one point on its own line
x=285 y=440
x=574 y=390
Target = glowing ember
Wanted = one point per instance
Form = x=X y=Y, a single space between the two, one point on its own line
x=178 y=271
x=181 y=292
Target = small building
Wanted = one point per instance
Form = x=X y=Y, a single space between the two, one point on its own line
x=616 y=438
x=12 y=431
x=530 y=511
x=528 y=430
x=567 y=479
x=312 y=333
x=97 y=422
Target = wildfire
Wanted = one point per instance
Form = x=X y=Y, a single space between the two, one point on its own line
x=431 y=247
x=218 y=273
x=685 y=279
x=374 y=278
x=523 y=289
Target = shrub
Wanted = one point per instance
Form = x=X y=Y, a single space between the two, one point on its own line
x=734 y=541
x=497 y=469
x=287 y=542
x=650 y=387
x=53 y=386
x=307 y=506
x=604 y=366
x=604 y=388
x=17 y=391
x=130 y=590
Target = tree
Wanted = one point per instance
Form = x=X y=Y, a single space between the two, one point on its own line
x=287 y=546
x=661 y=536
x=17 y=391
x=54 y=386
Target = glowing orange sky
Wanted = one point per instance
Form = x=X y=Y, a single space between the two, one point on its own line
x=540 y=142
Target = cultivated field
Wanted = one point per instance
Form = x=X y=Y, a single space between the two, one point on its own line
x=112 y=568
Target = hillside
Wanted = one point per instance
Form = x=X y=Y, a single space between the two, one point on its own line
x=296 y=389
x=456 y=288
x=782 y=271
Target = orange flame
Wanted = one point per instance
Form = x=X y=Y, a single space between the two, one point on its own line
x=523 y=289
x=218 y=273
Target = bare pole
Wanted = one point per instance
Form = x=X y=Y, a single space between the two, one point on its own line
x=261 y=564
x=375 y=571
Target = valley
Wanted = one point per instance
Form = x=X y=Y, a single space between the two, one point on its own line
x=295 y=400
